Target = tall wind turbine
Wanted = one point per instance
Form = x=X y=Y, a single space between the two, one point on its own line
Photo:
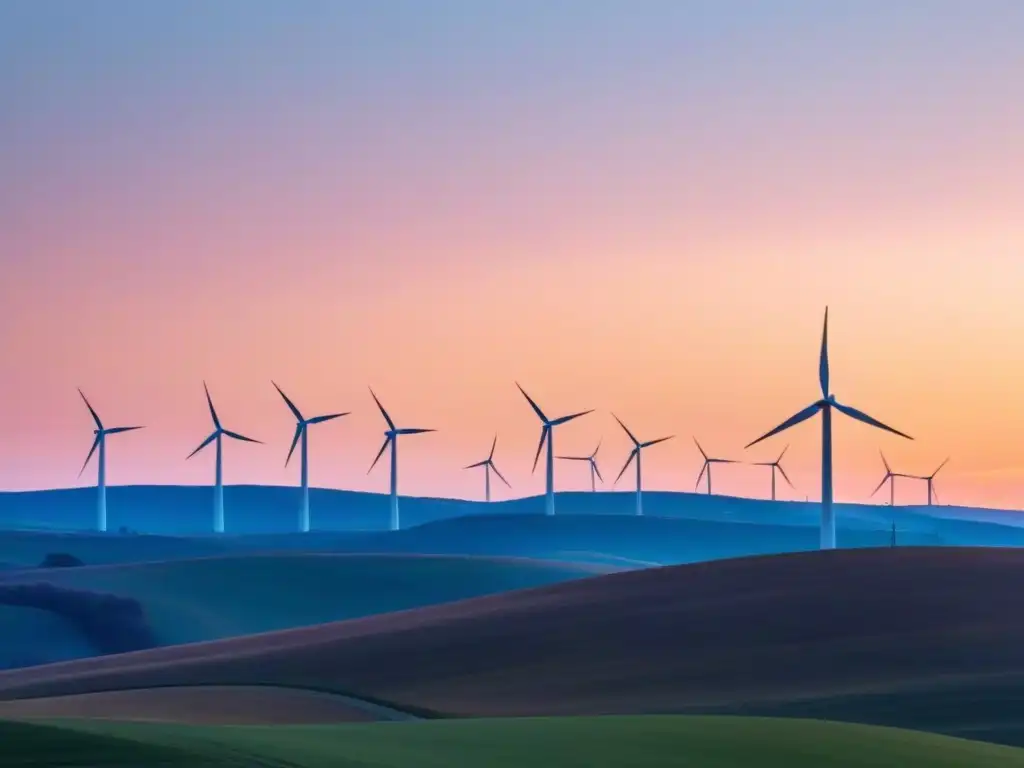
x=100 y=442
x=488 y=465
x=930 y=479
x=777 y=464
x=635 y=454
x=890 y=477
x=547 y=433
x=302 y=433
x=826 y=405
x=595 y=473
x=708 y=461
x=218 y=485
x=391 y=438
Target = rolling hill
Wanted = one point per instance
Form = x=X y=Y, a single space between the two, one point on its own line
x=638 y=742
x=886 y=636
x=189 y=601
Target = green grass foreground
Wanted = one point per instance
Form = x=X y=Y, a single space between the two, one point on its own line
x=622 y=742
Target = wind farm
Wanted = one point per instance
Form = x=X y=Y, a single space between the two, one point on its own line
x=501 y=249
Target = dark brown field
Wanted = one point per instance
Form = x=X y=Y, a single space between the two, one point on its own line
x=930 y=638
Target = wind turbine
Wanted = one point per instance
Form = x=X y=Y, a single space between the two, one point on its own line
x=488 y=465
x=930 y=479
x=592 y=460
x=302 y=433
x=635 y=454
x=391 y=438
x=547 y=433
x=890 y=477
x=708 y=461
x=825 y=406
x=100 y=442
x=218 y=486
x=777 y=464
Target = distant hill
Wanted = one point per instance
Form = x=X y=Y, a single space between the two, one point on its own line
x=186 y=510
x=620 y=540
x=187 y=601
x=894 y=637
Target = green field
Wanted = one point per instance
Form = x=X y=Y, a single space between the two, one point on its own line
x=622 y=742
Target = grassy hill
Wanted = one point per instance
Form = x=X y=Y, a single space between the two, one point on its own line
x=849 y=632
x=624 y=742
x=211 y=598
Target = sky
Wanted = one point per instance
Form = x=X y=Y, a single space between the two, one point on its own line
x=636 y=206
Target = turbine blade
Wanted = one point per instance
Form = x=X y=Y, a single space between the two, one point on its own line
x=886 y=463
x=570 y=417
x=594 y=454
x=391 y=424
x=493 y=446
x=803 y=415
x=290 y=404
x=596 y=470
x=295 y=441
x=779 y=467
x=649 y=443
x=782 y=454
x=574 y=458
x=540 y=446
x=203 y=444
x=940 y=467
x=823 y=359
x=243 y=438
x=328 y=417
x=879 y=487
x=118 y=430
x=95 y=445
x=536 y=408
x=631 y=436
x=700 y=449
x=853 y=413
x=478 y=464
x=701 y=475
x=380 y=453
x=632 y=455
x=935 y=492
x=209 y=402
x=723 y=461
x=506 y=482
x=413 y=431
x=95 y=416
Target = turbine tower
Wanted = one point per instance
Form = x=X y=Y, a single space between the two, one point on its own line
x=595 y=473
x=547 y=433
x=488 y=465
x=825 y=406
x=930 y=479
x=890 y=477
x=302 y=433
x=100 y=442
x=777 y=464
x=708 y=461
x=635 y=454
x=391 y=438
x=218 y=485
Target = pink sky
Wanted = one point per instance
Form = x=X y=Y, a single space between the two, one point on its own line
x=661 y=247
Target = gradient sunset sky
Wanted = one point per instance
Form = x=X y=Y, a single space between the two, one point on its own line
x=638 y=206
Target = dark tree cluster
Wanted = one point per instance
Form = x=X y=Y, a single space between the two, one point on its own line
x=112 y=624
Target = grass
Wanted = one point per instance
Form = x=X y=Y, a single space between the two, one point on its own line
x=619 y=742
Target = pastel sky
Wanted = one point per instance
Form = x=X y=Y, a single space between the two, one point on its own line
x=637 y=206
